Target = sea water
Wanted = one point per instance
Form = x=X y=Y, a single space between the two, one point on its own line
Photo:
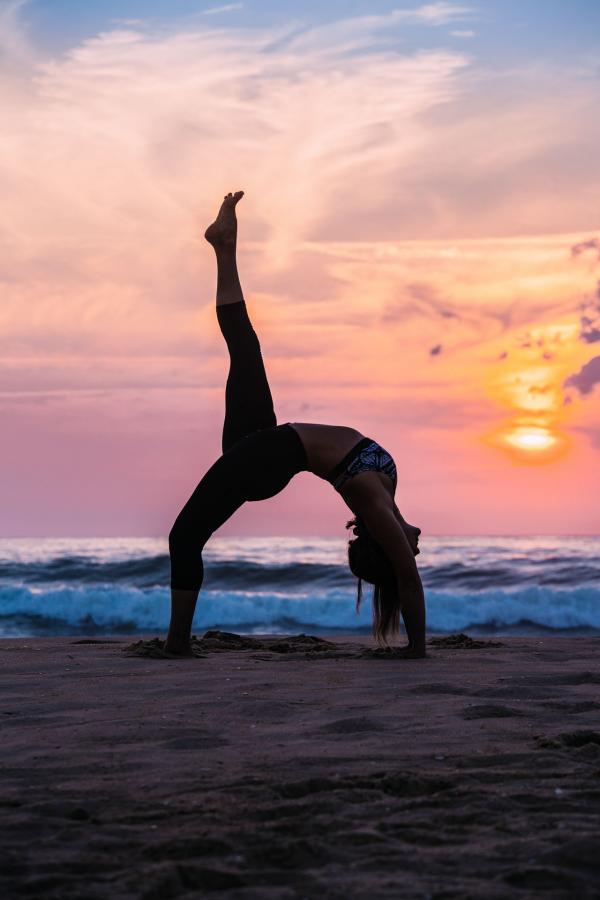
x=484 y=585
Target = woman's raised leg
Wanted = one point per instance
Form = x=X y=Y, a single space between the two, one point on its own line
x=248 y=400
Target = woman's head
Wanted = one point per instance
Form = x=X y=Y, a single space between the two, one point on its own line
x=369 y=563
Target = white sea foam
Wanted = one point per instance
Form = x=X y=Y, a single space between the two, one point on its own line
x=127 y=610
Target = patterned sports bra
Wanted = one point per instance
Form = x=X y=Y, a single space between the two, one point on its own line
x=366 y=456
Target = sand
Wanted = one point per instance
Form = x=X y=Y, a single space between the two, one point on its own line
x=307 y=770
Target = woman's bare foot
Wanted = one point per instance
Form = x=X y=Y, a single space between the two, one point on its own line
x=222 y=233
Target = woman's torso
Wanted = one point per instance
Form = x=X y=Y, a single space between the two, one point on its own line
x=326 y=445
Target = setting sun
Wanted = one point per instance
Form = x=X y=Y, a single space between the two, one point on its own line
x=530 y=443
x=531 y=438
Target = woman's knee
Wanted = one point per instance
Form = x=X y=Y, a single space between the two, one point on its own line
x=185 y=552
x=187 y=533
x=176 y=535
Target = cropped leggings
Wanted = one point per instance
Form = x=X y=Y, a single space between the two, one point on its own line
x=259 y=457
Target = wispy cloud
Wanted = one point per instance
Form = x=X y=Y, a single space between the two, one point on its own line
x=440 y=13
x=463 y=34
x=228 y=7
x=345 y=35
x=299 y=123
x=15 y=47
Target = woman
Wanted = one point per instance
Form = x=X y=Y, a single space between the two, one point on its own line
x=259 y=459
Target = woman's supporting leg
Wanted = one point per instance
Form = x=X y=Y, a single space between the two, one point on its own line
x=258 y=467
x=248 y=400
x=183 y=606
x=215 y=499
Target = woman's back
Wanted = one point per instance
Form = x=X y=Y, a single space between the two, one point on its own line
x=325 y=445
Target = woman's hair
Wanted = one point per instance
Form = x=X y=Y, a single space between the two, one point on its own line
x=369 y=563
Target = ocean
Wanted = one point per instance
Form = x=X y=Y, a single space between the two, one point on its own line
x=483 y=585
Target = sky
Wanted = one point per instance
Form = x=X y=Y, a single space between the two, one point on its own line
x=419 y=247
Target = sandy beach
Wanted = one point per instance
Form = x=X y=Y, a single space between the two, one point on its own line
x=290 y=769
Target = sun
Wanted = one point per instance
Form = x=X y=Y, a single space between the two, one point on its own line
x=531 y=438
x=529 y=443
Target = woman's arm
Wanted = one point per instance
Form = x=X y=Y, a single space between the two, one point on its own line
x=387 y=531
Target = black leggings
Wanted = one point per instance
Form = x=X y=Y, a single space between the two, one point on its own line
x=259 y=457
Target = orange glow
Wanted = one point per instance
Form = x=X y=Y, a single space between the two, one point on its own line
x=532 y=439
x=530 y=387
x=529 y=443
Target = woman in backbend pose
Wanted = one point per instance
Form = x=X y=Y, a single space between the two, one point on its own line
x=260 y=458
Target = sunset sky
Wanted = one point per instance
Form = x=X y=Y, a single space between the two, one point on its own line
x=419 y=247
